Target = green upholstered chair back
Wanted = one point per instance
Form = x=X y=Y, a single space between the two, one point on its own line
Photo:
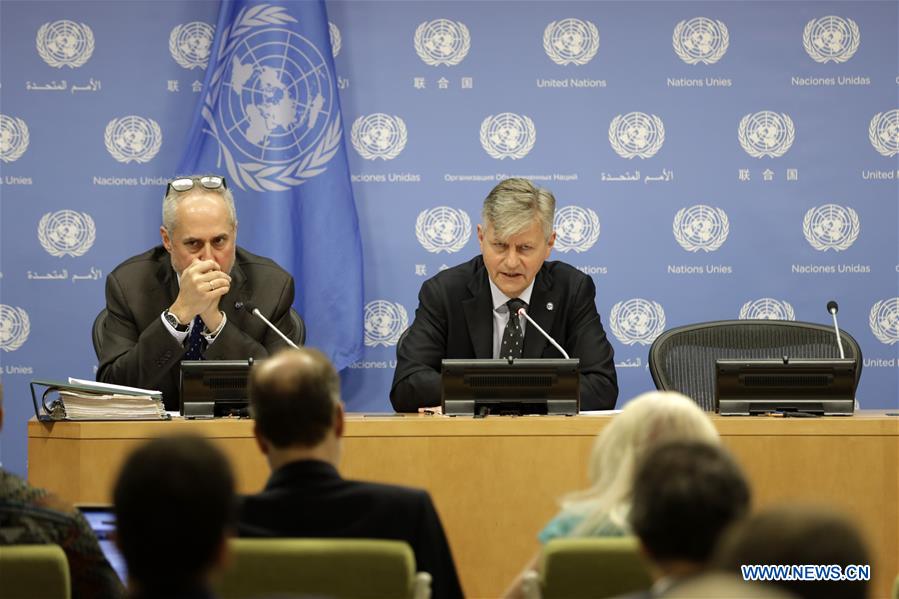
x=591 y=568
x=34 y=571
x=336 y=568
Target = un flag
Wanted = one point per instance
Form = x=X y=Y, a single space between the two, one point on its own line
x=269 y=116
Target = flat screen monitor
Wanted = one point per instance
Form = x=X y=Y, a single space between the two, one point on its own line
x=214 y=388
x=510 y=387
x=801 y=386
x=102 y=521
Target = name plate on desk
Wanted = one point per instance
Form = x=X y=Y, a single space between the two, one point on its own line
x=510 y=387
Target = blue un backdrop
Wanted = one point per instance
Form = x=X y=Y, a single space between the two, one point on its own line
x=711 y=160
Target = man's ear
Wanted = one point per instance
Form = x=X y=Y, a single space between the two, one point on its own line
x=338 y=420
x=166 y=240
x=261 y=441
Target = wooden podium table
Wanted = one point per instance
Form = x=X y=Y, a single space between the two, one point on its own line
x=496 y=481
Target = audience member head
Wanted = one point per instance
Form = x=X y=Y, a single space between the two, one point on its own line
x=685 y=494
x=295 y=401
x=174 y=506
x=646 y=421
x=798 y=535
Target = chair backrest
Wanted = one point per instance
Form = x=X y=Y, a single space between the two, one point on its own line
x=683 y=359
x=34 y=571
x=97 y=331
x=336 y=568
x=299 y=327
x=592 y=568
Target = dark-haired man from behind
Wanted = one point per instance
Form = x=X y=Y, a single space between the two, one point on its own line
x=174 y=508
x=798 y=535
x=295 y=401
x=686 y=493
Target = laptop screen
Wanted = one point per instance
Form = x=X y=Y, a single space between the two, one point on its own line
x=102 y=522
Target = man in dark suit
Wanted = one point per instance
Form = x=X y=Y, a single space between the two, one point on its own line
x=295 y=401
x=464 y=312
x=179 y=301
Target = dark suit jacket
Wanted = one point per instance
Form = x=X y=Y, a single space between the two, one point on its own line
x=454 y=319
x=309 y=499
x=137 y=348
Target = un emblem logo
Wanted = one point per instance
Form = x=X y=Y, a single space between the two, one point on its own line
x=701 y=227
x=766 y=133
x=379 y=135
x=271 y=105
x=133 y=139
x=767 y=308
x=884 y=320
x=637 y=321
x=14 y=327
x=65 y=43
x=884 y=132
x=508 y=135
x=190 y=44
x=571 y=41
x=14 y=138
x=336 y=40
x=831 y=39
x=443 y=229
x=66 y=232
x=636 y=134
x=442 y=42
x=831 y=227
x=576 y=229
x=700 y=40
x=384 y=322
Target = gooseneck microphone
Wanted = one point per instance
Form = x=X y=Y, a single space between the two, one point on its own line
x=832 y=307
x=523 y=312
x=252 y=309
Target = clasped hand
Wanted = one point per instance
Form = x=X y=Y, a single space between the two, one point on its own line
x=202 y=286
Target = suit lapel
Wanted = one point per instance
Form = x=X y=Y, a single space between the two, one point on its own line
x=479 y=315
x=166 y=279
x=542 y=296
x=237 y=293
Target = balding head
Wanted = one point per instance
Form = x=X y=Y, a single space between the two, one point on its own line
x=294 y=398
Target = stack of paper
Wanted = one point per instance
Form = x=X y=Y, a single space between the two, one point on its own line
x=89 y=400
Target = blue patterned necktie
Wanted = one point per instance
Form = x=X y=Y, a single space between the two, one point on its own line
x=195 y=340
x=513 y=341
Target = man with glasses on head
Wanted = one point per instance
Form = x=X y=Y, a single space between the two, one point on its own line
x=181 y=300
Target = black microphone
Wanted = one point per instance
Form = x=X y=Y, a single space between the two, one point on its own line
x=252 y=309
x=832 y=307
x=523 y=312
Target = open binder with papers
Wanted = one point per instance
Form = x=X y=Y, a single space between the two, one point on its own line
x=88 y=400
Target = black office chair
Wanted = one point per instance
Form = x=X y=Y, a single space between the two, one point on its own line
x=683 y=359
x=299 y=330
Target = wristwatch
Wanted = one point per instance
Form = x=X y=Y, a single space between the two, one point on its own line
x=176 y=324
